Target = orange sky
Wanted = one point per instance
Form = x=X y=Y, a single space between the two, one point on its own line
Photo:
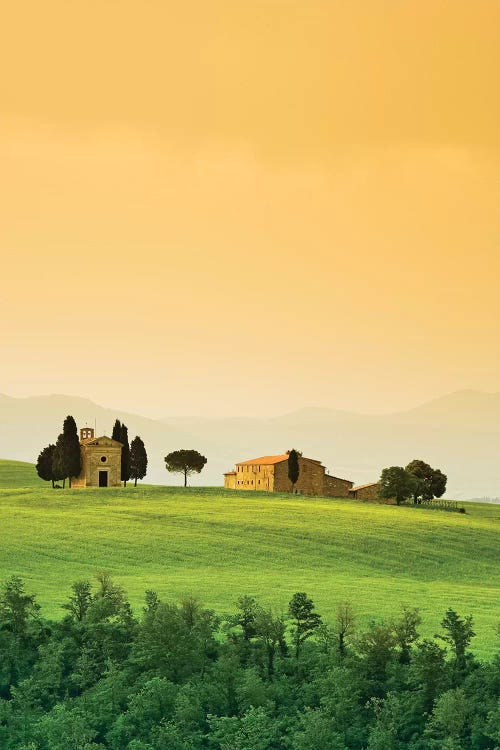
x=222 y=207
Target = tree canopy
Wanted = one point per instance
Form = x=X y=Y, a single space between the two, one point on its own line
x=396 y=483
x=185 y=462
x=429 y=482
x=45 y=464
x=178 y=676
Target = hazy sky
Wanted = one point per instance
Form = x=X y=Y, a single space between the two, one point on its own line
x=249 y=206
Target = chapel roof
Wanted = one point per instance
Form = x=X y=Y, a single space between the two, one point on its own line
x=95 y=440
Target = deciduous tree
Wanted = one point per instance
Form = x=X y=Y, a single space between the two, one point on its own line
x=458 y=635
x=305 y=620
x=397 y=483
x=16 y=606
x=79 y=600
x=346 y=621
x=406 y=632
x=428 y=483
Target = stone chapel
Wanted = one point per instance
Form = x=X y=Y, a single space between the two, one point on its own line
x=101 y=461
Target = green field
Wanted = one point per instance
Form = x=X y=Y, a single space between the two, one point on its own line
x=218 y=544
x=18 y=474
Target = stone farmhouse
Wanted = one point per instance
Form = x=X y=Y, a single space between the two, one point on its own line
x=270 y=474
x=101 y=461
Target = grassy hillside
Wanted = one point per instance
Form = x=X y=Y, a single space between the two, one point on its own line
x=18 y=474
x=220 y=544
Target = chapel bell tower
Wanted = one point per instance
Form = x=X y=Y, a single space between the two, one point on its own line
x=86 y=433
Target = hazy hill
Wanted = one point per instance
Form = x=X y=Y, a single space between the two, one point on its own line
x=459 y=433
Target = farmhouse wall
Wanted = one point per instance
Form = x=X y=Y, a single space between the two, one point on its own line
x=335 y=487
x=310 y=481
x=367 y=493
x=230 y=480
x=258 y=477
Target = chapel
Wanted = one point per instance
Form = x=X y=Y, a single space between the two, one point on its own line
x=101 y=461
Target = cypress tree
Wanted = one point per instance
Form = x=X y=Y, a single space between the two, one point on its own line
x=58 y=463
x=293 y=467
x=44 y=464
x=117 y=431
x=125 y=473
x=138 y=460
x=72 y=454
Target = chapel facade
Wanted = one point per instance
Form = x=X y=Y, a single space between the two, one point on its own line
x=101 y=461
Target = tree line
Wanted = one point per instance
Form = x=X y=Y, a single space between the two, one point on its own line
x=179 y=676
x=62 y=460
x=134 y=457
x=417 y=481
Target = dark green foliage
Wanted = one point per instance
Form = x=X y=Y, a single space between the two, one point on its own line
x=117 y=430
x=45 y=464
x=125 y=472
x=345 y=622
x=406 y=632
x=429 y=482
x=458 y=634
x=170 y=680
x=71 y=443
x=305 y=620
x=16 y=606
x=270 y=631
x=397 y=483
x=185 y=462
x=58 y=463
x=438 y=483
x=66 y=456
x=80 y=600
x=377 y=646
x=138 y=460
x=293 y=467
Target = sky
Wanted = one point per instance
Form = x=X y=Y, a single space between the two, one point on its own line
x=244 y=208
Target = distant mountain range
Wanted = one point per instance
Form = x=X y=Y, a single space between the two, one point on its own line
x=459 y=433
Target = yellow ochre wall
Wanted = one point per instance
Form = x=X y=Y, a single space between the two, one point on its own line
x=258 y=477
x=92 y=453
x=313 y=479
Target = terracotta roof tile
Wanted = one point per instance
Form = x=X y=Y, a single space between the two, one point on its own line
x=267 y=460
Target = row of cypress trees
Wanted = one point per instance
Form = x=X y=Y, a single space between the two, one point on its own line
x=62 y=460
x=134 y=456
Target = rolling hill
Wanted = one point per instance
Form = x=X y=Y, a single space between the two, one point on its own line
x=219 y=545
x=18 y=474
